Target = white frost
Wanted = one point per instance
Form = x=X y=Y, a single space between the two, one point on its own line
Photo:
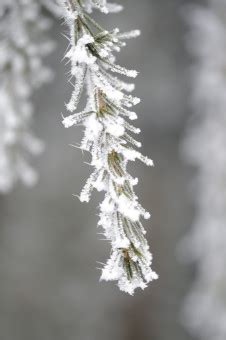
x=107 y=137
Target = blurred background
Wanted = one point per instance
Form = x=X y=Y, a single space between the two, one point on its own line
x=49 y=242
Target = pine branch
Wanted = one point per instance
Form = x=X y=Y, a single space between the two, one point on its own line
x=23 y=47
x=107 y=137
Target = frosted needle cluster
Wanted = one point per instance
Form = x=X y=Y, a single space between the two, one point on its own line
x=107 y=137
x=23 y=46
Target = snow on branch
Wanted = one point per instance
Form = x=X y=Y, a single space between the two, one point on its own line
x=23 y=46
x=107 y=137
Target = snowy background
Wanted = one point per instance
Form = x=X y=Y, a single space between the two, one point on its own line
x=49 y=246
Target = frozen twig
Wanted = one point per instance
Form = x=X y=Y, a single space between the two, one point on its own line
x=107 y=138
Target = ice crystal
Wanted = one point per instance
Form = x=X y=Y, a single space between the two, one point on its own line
x=102 y=5
x=23 y=45
x=205 y=308
x=107 y=137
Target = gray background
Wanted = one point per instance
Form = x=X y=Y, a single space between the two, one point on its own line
x=49 y=284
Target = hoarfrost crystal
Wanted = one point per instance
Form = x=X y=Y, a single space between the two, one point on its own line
x=107 y=137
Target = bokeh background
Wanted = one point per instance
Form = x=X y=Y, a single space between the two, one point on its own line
x=49 y=242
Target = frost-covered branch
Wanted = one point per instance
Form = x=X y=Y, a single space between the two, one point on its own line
x=205 y=148
x=108 y=138
x=23 y=46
